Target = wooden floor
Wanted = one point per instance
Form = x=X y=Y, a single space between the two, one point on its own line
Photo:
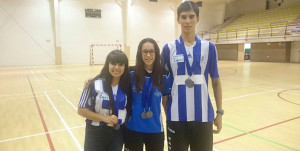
x=261 y=102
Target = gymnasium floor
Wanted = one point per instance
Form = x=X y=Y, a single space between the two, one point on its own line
x=261 y=102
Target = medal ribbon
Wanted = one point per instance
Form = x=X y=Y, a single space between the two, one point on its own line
x=146 y=93
x=196 y=55
x=117 y=99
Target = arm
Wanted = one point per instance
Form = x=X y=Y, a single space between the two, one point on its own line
x=84 y=107
x=109 y=119
x=168 y=80
x=129 y=103
x=216 y=85
x=165 y=100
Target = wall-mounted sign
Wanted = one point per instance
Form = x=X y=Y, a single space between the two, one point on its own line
x=92 y=13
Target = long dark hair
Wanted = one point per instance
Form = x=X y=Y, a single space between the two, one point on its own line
x=139 y=75
x=115 y=57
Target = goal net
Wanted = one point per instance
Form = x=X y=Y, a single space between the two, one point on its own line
x=98 y=52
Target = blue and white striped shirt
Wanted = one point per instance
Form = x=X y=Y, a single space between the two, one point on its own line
x=95 y=99
x=190 y=104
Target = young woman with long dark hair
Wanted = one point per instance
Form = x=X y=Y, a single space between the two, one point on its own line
x=148 y=86
x=104 y=103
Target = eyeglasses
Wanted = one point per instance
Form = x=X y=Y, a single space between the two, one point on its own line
x=145 y=52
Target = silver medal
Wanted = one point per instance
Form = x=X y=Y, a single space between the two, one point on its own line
x=149 y=114
x=117 y=126
x=189 y=83
x=144 y=115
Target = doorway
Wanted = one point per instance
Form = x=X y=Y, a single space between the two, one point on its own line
x=247 y=49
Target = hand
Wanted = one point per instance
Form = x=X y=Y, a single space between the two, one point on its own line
x=218 y=124
x=110 y=119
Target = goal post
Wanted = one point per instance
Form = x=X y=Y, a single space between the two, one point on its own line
x=98 y=52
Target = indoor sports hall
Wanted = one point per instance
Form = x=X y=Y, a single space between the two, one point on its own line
x=50 y=48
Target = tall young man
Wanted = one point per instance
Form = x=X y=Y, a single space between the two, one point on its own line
x=190 y=114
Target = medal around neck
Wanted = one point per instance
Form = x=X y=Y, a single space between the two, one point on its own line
x=189 y=83
x=147 y=99
x=196 y=60
x=117 y=126
x=144 y=115
x=149 y=114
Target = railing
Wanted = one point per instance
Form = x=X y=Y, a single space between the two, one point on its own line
x=275 y=29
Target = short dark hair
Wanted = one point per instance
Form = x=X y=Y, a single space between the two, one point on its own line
x=139 y=76
x=187 y=6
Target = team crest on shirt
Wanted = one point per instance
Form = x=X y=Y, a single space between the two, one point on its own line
x=102 y=95
x=156 y=93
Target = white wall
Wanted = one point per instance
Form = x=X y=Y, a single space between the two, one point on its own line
x=145 y=19
x=210 y=15
x=26 y=35
x=240 y=7
x=295 y=51
x=79 y=32
x=150 y=19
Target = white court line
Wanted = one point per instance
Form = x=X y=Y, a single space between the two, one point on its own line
x=288 y=92
x=67 y=75
x=38 y=134
x=34 y=75
x=20 y=98
x=57 y=75
x=43 y=76
x=65 y=124
x=20 y=94
x=251 y=94
x=296 y=86
x=256 y=87
x=67 y=100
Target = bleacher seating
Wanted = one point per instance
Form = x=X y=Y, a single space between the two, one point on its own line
x=259 y=24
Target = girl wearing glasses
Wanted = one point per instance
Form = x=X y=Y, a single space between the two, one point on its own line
x=103 y=104
x=145 y=125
